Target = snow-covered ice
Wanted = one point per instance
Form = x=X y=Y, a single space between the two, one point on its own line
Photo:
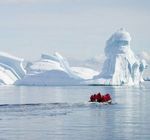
x=55 y=70
x=121 y=66
x=11 y=69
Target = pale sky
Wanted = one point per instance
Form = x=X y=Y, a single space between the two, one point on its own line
x=74 y=28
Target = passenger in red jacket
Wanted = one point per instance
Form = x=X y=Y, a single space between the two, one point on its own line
x=95 y=97
x=103 y=98
x=98 y=97
x=108 y=98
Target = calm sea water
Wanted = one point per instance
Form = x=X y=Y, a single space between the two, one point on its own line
x=63 y=113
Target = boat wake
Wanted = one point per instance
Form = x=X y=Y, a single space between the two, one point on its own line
x=43 y=109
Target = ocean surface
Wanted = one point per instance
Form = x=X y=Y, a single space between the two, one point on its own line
x=64 y=113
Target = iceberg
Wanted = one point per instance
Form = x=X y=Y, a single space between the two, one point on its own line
x=121 y=66
x=11 y=69
x=55 y=70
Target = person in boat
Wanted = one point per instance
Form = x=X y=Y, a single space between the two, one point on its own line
x=101 y=98
x=93 y=98
x=98 y=97
x=106 y=98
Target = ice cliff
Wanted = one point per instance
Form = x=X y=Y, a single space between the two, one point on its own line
x=11 y=69
x=121 y=66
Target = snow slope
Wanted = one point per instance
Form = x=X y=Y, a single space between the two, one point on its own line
x=55 y=70
x=11 y=69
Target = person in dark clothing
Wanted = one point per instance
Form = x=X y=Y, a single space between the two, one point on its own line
x=93 y=98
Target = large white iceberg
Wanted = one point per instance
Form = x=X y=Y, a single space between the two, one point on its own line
x=11 y=69
x=55 y=70
x=121 y=66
